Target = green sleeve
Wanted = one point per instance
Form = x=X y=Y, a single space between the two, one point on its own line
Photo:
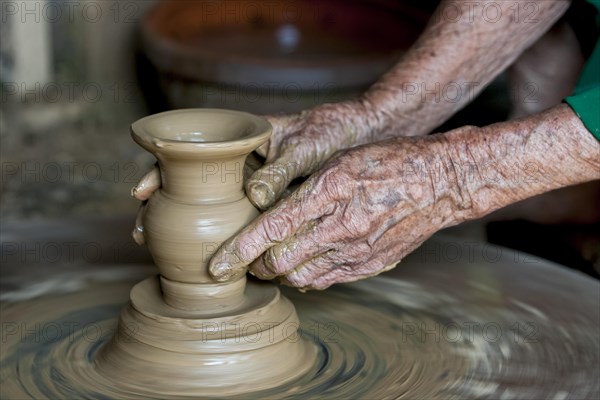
x=585 y=100
x=587 y=107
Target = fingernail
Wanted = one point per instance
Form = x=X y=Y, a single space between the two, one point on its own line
x=221 y=271
x=260 y=194
x=133 y=191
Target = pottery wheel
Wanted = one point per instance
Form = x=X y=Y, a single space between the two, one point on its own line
x=462 y=320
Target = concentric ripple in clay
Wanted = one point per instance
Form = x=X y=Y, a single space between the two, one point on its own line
x=381 y=338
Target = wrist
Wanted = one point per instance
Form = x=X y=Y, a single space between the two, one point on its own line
x=459 y=174
x=394 y=113
x=472 y=172
x=357 y=123
x=503 y=163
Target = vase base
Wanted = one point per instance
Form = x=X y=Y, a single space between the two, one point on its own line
x=162 y=350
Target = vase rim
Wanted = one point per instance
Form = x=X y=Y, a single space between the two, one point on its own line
x=201 y=130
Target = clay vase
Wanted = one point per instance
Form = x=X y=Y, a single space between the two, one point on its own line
x=201 y=155
x=183 y=334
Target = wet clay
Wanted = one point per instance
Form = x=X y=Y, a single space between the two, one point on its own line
x=201 y=154
x=160 y=350
x=439 y=333
x=182 y=332
x=359 y=353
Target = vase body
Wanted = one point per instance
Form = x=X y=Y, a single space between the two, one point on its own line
x=201 y=203
x=182 y=237
x=183 y=334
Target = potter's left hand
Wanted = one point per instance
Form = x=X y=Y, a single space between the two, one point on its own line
x=356 y=217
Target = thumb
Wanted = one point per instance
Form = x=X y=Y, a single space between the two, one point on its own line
x=268 y=183
x=147 y=185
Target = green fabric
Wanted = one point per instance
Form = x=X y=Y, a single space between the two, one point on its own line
x=585 y=100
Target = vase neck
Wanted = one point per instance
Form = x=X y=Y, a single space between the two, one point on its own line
x=202 y=181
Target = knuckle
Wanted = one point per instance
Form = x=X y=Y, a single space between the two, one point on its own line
x=260 y=270
x=333 y=183
x=354 y=225
x=242 y=250
x=269 y=174
x=288 y=256
x=276 y=227
x=359 y=252
x=295 y=280
x=272 y=262
x=304 y=275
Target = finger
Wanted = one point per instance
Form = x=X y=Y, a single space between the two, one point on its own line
x=147 y=185
x=138 y=230
x=282 y=166
x=308 y=272
x=350 y=273
x=284 y=257
x=361 y=260
x=349 y=262
x=283 y=126
x=269 y=229
x=266 y=231
x=268 y=183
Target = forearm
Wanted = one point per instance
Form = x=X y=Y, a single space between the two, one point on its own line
x=455 y=58
x=510 y=161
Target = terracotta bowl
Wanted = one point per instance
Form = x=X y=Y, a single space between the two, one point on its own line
x=270 y=56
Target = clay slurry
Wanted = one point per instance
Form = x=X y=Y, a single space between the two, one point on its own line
x=360 y=351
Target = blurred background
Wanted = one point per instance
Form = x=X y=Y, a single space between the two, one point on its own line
x=76 y=74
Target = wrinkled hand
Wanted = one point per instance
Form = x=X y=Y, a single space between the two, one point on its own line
x=298 y=146
x=356 y=217
x=150 y=182
x=301 y=143
x=142 y=191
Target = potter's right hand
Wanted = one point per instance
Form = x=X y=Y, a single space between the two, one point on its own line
x=302 y=142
